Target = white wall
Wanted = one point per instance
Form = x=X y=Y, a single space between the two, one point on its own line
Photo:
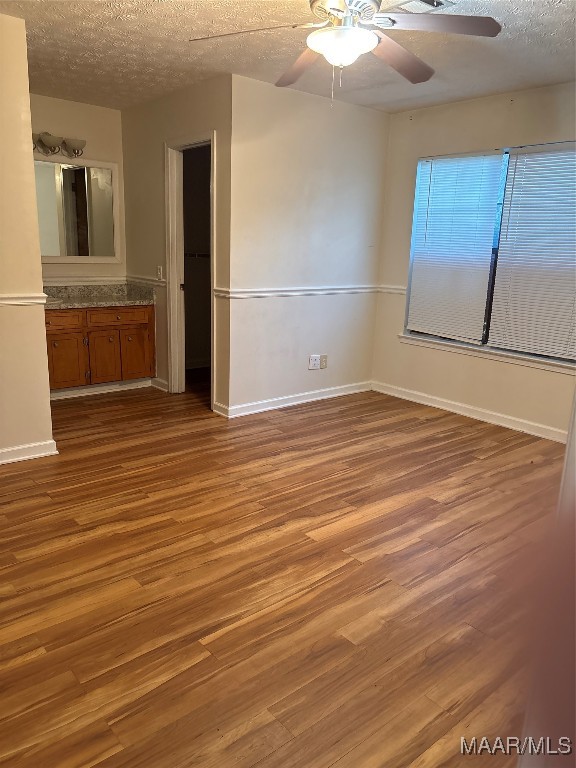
x=25 y=421
x=272 y=337
x=102 y=129
x=290 y=212
x=183 y=117
x=527 y=396
x=305 y=214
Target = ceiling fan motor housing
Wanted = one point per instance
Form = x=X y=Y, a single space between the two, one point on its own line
x=365 y=9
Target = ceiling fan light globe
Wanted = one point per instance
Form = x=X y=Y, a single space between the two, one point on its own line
x=341 y=58
x=341 y=46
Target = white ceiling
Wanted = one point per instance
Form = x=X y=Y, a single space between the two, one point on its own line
x=117 y=53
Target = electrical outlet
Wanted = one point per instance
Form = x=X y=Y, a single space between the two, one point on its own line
x=323 y=361
x=159 y=272
x=314 y=363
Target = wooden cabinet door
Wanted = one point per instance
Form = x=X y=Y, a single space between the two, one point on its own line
x=135 y=353
x=104 y=356
x=67 y=360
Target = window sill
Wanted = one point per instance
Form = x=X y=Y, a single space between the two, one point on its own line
x=516 y=358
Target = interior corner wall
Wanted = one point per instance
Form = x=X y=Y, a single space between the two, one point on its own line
x=306 y=199
x=181 y=118
x=25 y=420
x=102 y=129
x=529 y=397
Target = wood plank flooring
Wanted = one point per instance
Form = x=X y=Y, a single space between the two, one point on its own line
x=341 y=583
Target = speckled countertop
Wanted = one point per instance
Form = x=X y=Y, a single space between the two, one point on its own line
x=114 y=295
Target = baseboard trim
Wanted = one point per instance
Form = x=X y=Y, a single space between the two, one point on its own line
x=282 y=402
x=28 y=451
x=99 y=389
x=221 y=410
x=500 y=419
x=160 y=384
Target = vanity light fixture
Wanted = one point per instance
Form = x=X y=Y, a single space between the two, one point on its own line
x=51 y=145
x=73 y=147
x=48 y=144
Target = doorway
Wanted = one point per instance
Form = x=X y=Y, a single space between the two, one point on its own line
x=196 y=174
x=191 y=254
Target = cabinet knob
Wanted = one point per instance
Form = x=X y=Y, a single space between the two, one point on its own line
x=54 y=343
x=48 y=322
x=129 y=338
x=111 y=338
x=118 y=317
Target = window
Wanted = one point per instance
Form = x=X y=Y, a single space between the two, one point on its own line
x=493 y=257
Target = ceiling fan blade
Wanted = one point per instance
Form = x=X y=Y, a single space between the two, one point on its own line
x=302 y=63
x=259 y=29
x=405 y=63
x=483 y=26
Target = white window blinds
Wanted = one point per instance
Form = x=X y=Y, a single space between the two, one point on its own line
x=455 y=214
x=534 y=304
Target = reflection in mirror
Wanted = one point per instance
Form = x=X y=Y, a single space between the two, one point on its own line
x=75 y=210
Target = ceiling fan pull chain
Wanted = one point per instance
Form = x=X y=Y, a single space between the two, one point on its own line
x=340 y=83
x=332 y=97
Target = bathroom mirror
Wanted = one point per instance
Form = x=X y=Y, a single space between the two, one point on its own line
x=76 y=206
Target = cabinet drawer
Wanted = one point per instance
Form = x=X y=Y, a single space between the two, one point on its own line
x=117 y=316
x=63 y=319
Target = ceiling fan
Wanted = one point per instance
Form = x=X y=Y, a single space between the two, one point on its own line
x=351 y=28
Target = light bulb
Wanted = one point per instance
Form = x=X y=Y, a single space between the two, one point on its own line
x=341 y=46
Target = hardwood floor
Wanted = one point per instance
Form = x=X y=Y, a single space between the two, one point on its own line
x=340 y=584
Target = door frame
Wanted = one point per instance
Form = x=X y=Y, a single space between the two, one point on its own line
x=174 y=179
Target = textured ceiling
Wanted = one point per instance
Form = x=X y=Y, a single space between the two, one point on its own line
x=117 y=53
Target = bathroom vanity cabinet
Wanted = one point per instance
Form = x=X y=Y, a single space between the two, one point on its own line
x=99 y=344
